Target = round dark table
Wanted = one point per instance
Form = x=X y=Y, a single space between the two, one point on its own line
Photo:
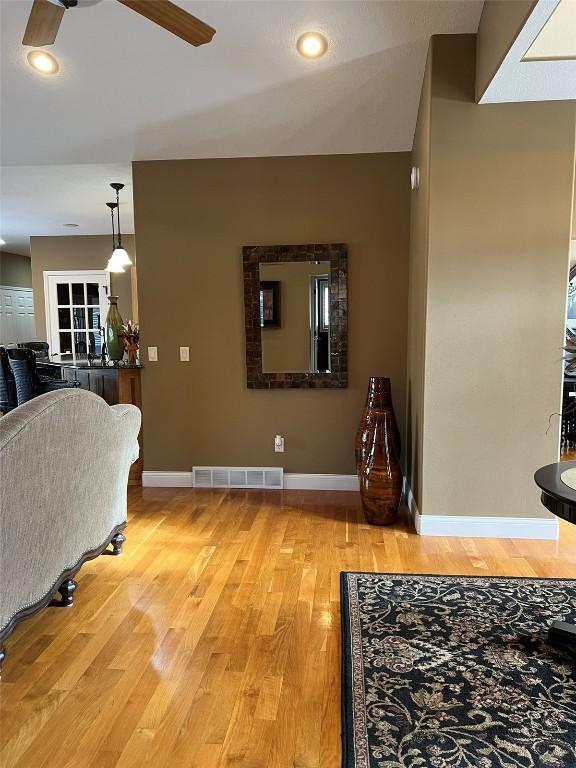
x=560 y=499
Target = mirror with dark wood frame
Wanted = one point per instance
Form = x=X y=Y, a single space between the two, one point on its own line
x=295 y=299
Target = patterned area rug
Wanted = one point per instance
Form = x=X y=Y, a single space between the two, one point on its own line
x=455 y=672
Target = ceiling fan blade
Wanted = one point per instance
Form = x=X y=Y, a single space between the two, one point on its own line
x=43 y=23
x=174 y=19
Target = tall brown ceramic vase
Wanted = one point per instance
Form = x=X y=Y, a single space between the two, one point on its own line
x=380 y=473
x=379 y=398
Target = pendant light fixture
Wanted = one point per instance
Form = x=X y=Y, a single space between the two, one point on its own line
x=113 y=266
x=119 y=258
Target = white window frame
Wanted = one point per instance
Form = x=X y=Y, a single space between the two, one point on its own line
x=82 y=276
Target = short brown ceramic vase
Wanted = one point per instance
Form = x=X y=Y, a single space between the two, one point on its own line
x=380 y=474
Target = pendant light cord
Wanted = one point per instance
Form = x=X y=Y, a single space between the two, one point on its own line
x=113 y=237
x=118 y=216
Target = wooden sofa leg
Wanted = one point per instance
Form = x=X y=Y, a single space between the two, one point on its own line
x=67 y=589
x=117 y=544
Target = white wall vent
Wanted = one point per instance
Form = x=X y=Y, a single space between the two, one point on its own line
x=238 y=477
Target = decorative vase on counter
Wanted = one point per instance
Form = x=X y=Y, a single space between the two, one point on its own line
x=380 y=473
x=131 y=338
x=114 y=331
x=379 y=398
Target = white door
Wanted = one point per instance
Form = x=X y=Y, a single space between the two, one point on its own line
x=16 y=315
x=76 y=306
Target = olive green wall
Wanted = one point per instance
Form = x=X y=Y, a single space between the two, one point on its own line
x=498 y=233
x=192 y=219
x=77 y=252
x=15 y=270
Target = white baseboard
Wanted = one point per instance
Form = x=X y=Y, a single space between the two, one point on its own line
x=166 y=479
x=292 y=481
x=296 y=481
x=480 y=527
x=487 y=527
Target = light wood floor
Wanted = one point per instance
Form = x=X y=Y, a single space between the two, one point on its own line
x=215 y=639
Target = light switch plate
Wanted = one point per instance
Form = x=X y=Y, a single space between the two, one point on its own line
x=152 y=354
x=185 y=354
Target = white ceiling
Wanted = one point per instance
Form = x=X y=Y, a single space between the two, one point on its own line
x=128 y=90
x=520 y=80
x=41 y=199
x=557 y=38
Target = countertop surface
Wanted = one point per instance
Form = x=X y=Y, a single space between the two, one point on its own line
x=86 y=365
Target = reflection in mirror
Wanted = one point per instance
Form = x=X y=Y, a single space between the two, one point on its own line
x=296 y=310
x=571 y=303
x=295 y=316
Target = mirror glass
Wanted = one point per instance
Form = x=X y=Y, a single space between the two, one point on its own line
x=295 y=316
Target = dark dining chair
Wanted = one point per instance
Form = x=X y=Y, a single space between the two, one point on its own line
x=44 y=366
x=28 y=383
x=8 y=400
x=40 y=349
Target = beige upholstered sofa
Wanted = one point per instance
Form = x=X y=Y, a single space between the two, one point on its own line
x=64 y=462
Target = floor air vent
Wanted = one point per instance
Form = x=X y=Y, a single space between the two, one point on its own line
x=238 y=477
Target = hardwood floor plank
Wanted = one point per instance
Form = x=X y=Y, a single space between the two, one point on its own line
x=214 y=641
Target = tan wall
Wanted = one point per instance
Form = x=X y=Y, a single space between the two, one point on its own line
x=498 y=250
x=287 y=348
x=189 y=241
x=77 y=252
x=15 y=270
x=417 y=291
x=500 y=23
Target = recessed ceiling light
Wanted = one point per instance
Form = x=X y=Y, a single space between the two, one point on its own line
x=312 y=45
x=43 y=62
x=70 y=225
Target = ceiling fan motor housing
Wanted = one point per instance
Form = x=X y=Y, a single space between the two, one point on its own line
x=64 y=3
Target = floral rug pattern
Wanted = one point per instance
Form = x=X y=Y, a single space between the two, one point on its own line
x=456 y=672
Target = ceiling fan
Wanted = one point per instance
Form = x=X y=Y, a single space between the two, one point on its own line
x=46 y=16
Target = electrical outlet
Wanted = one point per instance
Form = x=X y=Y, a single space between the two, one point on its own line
x=279 y=444
x=152 y=354
x=185 y=354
